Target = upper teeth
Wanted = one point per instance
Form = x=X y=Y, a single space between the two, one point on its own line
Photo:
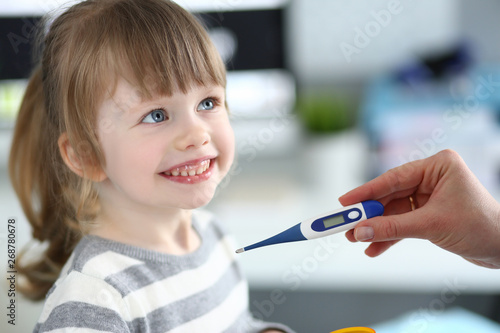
x=189 y=170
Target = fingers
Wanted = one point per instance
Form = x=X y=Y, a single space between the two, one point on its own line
x=405 y=179
x=403 y=218
x=386 y=225
x=393 y=227
x=376 y=249
x=385 y=231
x=395 y=183
x=447 y=203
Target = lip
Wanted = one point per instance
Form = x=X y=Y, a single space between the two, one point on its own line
x=198 y=178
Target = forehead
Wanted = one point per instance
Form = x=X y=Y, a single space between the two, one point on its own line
x=126 y=96
x=122 y=96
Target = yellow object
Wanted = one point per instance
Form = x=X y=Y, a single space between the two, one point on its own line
x=355 y=330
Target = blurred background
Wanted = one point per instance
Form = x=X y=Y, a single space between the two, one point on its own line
x=325 y=95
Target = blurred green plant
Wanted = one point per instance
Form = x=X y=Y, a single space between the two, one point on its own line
x=11 y=94
x=324 y=112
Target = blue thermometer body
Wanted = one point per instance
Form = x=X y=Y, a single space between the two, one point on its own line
x=342 y=219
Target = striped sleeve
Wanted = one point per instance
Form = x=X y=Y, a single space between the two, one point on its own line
x=83 y=303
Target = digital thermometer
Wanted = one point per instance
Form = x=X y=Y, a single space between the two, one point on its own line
x=342 y=219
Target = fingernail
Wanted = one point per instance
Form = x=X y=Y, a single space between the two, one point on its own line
x=363 y=233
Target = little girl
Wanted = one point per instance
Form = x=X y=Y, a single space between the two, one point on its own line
x=123 y=130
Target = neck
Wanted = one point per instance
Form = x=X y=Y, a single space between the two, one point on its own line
x=163 y=230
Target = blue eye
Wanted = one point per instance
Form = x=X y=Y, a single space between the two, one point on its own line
x=155 y=116
x=207 y=104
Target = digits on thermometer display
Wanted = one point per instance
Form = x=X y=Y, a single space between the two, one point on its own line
x=342 y=219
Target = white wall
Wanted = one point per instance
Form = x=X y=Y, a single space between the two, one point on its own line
x=375 y=35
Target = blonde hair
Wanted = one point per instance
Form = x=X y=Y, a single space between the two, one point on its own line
x=154 y=44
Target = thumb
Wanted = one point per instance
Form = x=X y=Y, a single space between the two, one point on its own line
x=392 y=227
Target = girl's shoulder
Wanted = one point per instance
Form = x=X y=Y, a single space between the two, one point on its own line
x=95 y=258
x=99 y=258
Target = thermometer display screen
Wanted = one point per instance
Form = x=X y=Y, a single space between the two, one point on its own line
x=333 y=221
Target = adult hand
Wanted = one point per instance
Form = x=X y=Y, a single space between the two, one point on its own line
x=451 y=209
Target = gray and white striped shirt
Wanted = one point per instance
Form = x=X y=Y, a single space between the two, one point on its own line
x=108 y=286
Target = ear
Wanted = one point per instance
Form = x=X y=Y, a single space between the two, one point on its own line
x=82 y=168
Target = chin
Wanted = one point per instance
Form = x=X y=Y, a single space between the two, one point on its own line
x=198 y=200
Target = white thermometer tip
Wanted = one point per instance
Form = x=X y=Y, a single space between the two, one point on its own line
x=240 y=250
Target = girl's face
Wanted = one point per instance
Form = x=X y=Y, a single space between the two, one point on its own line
x=164 y=152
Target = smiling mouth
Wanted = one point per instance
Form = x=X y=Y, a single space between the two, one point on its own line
x=189 y=170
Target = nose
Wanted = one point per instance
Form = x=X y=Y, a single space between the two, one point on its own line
x=192 y=135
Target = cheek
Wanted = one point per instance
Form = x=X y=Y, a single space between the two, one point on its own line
x=129 y=158
x=227 y=144
x=231 y=146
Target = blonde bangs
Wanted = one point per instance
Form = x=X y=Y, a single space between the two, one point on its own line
x=160 y=48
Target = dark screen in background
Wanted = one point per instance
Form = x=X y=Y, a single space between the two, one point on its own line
x=258 y=34
x=17 y=38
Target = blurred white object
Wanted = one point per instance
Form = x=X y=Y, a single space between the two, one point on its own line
x=259 y=93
